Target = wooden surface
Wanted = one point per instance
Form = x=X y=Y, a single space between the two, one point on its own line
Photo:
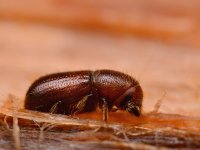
x=155 y=42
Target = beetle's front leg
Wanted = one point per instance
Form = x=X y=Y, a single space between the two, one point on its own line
x=105 y=109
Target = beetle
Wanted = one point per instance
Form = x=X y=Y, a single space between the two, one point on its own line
x=83 y=91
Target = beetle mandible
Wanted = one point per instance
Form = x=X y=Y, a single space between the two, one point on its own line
x=82 y=91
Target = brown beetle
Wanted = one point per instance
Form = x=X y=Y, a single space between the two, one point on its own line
x=82 y=91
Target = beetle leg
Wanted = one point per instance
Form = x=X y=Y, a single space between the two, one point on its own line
x=80 y=105
x=105 y=110
x=54 y=108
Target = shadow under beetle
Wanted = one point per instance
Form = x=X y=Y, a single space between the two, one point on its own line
x=82 y=91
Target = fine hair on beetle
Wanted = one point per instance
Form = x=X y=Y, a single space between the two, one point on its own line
x=83 y=91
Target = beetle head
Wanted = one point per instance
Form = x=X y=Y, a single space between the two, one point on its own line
x=132 y=108
x=129 y=104
x=131 y=100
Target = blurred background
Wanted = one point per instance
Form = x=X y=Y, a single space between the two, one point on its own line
x=155 y=41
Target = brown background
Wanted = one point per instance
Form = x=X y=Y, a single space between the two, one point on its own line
x=157 y=42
